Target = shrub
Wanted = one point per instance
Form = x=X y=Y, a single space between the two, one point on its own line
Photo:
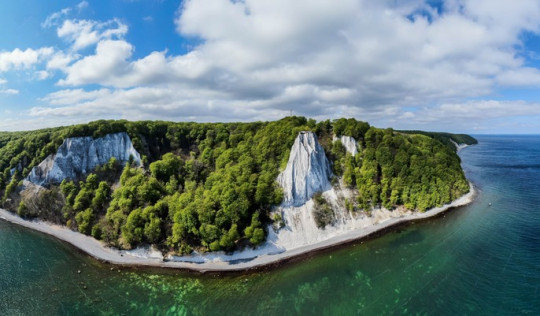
x=323 y=211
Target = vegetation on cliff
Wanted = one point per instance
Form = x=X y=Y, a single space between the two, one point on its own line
x=210 y=186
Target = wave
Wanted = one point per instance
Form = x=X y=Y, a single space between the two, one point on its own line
x=512 y=166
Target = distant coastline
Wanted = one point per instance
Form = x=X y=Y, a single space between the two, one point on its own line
x=99 y=251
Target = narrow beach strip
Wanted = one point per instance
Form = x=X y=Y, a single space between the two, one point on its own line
x=99 y=251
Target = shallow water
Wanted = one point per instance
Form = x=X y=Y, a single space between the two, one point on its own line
x=476 y=260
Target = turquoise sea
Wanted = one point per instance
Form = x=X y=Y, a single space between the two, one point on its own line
x=476 y=260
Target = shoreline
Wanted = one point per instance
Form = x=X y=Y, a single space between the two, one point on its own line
x=99 y=251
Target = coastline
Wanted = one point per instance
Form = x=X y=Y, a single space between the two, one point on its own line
x=99 y=251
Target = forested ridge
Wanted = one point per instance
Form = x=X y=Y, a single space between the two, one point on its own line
x=211 y=186
x=447 y=138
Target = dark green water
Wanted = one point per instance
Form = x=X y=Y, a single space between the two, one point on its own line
x=477 y=260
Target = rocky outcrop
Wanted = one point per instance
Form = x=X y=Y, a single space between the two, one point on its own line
x=301 y=230
x=307 y=172
x=459 y=147
x=80 y=155
x=349 y=143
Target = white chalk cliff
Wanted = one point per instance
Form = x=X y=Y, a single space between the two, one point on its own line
x=307 y=172
x=349 y=143
x=459 y=147
x=79 y=156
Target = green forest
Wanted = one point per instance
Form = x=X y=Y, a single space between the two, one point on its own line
x=211 y=186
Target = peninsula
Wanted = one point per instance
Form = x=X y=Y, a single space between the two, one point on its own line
x=219 y=197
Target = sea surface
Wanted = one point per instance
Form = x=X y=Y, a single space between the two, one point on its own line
x=476 y=260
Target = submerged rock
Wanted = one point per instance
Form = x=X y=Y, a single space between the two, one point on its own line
x=307 y=172
x=80 y=155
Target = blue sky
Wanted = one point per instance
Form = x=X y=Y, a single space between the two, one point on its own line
x=469 y=66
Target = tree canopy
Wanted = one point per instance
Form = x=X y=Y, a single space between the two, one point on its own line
x=211 y=186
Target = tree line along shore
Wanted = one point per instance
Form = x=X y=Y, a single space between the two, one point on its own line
x=212 y=186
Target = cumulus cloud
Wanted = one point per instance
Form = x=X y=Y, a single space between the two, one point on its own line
x=83 y=33
x=110 y=65
x=60 y=60
x=483 y=108
x=391 y=62
x=149 y=103
x=42 y=75
x=23 y=59
x=69 y=97
x=172 y=104
x=9 y=91
x=480 y=115
x=110 y=58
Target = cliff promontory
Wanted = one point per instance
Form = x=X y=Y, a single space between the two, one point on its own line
x=79 y=156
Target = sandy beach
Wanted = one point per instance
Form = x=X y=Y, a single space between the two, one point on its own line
x=99 y=251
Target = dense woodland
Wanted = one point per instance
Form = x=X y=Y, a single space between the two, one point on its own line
x=447 y=138
x=211 y=186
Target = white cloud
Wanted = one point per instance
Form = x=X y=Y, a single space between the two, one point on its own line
x=525 y=77
x=19 y=59
x=110 y=66
x=108 y=62
x=144 y=103
x=373 y=48
x=258 y=59
x=481 y=115
x=54 y=18
x=69 y=97
x=82 y=5
x=9 y=91
x=42 y=75
x=83 y=33
x=60 y=61
x=14 y=121
x=202 y=105
x=478 y=109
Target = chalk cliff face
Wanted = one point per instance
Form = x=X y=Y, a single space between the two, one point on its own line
x=349 y=143
x=80 y=155
x=459 y=147
x=307 y=172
